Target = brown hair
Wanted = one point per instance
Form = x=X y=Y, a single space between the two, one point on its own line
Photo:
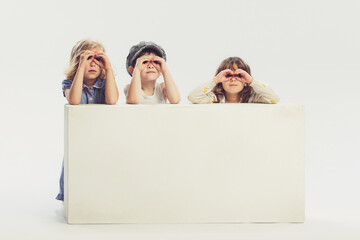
x=77 y=50
x=232 y=63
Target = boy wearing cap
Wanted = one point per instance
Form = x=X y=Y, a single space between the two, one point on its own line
x=145 y=62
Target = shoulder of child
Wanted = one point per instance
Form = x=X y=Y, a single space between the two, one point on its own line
x=66 y=84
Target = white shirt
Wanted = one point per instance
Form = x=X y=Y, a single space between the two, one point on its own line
x=157 y=97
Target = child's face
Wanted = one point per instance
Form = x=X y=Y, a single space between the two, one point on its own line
x=233 y=85
x=149 y=72
x=92 y=70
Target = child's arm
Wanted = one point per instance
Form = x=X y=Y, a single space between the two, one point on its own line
x=204 y=93
x=263 y=93
x=169 y=88
x=111 y=90
x=73 y=95
x=133 y=93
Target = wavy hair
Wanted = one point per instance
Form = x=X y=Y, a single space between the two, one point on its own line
x=80 y=47
x=233 y=63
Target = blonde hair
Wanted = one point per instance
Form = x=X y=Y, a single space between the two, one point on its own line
x=80 y=47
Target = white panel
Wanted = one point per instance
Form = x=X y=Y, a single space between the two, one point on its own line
x=184 y=163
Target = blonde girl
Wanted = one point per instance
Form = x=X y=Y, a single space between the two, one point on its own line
x=89 y=80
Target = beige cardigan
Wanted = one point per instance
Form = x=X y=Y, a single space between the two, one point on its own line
x=262 y=93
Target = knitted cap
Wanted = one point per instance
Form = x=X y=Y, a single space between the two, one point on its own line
x=137 y=49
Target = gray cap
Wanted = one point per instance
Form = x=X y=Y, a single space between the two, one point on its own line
x=137 y=49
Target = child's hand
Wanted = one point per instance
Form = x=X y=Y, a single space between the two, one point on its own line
x=141 y=63
x=245 y=77
x=222 y=76
x=159 y=63
x=102 y=60
x=86 y=57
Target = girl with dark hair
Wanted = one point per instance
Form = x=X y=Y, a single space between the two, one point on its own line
x=233 y=83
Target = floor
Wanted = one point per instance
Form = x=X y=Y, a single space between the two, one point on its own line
x=328 y=215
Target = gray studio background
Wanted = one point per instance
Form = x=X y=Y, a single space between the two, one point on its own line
x=307 y=51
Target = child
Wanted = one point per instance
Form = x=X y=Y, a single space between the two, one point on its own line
x=145 y=62
x=90 y=80
x=89 y=70
x=233 y=83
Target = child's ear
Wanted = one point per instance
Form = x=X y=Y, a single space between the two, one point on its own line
x=131 y=69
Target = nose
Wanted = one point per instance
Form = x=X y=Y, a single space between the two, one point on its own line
x=150 y=65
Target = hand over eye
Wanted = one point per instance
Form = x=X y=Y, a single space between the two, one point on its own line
x=245 y=76
x=233 y=75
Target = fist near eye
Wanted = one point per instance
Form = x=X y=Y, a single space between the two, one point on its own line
x=228 y=74
x=144 y=61
x=99 y=58
x=245 y=77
